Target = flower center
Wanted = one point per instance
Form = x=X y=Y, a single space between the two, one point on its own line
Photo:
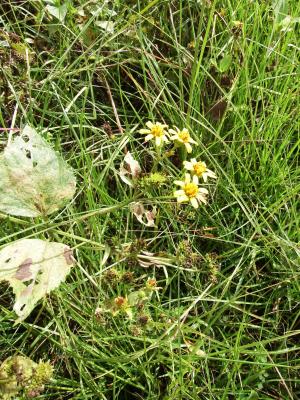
x=157 y=131
x=184 y=136
x=191 y=189
x=120 y=301
x=199 y=168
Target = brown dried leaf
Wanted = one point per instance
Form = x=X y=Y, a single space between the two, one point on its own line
x=129 y=167
x=141 y=214
x=218 y=109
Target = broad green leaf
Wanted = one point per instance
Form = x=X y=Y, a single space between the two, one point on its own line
x=225 y=63
x=33 y=268
x=107 y=26
x=58 y=12
x=34 y=179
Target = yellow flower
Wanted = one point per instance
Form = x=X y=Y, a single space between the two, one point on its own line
x=199 y=168
x=190 y=191
x=121 y=304
x=183 y=136
x=156 y=131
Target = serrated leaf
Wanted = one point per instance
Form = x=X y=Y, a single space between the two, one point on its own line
x=34 y=179
x=33 y=268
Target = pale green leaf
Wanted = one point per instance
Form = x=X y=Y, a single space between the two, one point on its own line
x=58 y=12
x=287 y=24
x=108 y=26
x=33 y=268
x=281 y=9
x=34 y=179
x=225 y=63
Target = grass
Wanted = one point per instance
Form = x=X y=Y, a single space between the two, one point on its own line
x=225 y=323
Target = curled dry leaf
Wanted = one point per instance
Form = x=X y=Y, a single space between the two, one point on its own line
x=145 y=217
x=129 y=167
x=33 y=268
x=147 y=259
x=194 y=349
x=34 y=179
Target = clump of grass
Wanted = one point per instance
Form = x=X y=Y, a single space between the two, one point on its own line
x=225 y=322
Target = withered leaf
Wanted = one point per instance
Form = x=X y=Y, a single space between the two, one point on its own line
x=145 y=217
x=33 y=268
x=129 y=167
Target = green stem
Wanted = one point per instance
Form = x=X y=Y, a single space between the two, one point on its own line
x=157 y=159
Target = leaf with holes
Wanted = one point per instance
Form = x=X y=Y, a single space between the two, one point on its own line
x=34 y=179
x=33 y=268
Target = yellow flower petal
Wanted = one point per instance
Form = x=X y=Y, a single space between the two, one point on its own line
x=158 y=141
x=180 y=183
x=201 y=198
x=182 y=199
x=187 y=178
x=195 y=179
x=149 y=124
x=179 y=193
x=211 y=174
x=194 y=202
x=188 y=165
x=144 y=131
x=188 y=147
x=149 y=137
x=203 y=190
x=193 y=141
